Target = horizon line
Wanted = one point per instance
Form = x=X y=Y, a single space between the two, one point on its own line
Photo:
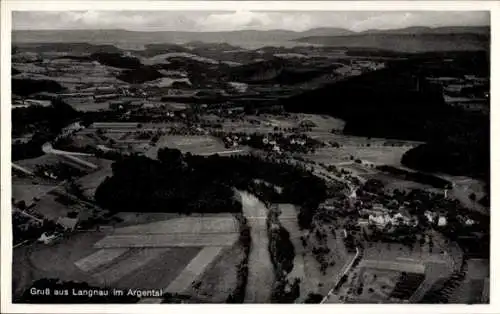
x=249 y=29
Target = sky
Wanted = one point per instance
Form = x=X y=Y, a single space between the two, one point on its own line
x=238 y=20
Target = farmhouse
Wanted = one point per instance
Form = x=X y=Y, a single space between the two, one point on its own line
x=68 y=223
x=46 y=238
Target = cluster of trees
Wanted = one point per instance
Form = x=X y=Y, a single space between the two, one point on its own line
x=169 y=184
x=27 y=86
x=59 y=170
x=140 y=75
x=116 y=59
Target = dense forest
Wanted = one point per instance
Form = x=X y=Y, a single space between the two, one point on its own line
x=187 y=183
x=26 y=86
x=117 y=60
x=140 y=75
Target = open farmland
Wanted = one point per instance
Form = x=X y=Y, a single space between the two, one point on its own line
x=322 y=123
x=99 y=258
x=220 y=278
x=86 y=104
x=375 y=285
x=57 y=260
x=196 y=225
x=134 y=259
x=160 y=271
x=91 y=181
x=53 y=205
x=28 y=192
x=196 y=145
x=379 y=155
x=167 y=240
x=391 y=182
x=194 y=269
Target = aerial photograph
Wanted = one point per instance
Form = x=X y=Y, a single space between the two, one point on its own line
x=324 y=157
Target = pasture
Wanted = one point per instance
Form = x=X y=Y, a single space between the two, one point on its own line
x=86 y=104
x=374 y=285
x=323 y=123
x=196 y=145
x=378 y=155
x=194 y=269
x=195 y=225
x=159 y=271
x=167 y=240
x=28 y=192
x=91 y=181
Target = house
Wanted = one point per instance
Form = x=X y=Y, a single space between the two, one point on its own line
x=430 y=216
x=442 y=221
x=379 y=220
x=67 y=223
x=46 y=238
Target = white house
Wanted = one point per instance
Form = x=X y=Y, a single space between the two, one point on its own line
x=442 y=221
x=46 y=239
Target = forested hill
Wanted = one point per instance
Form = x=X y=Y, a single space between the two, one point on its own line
x=390 y=103
x=397 y=103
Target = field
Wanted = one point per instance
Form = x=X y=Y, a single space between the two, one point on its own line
x=91 y=181
x=391 y=182
x=194 y=255
x=52 y=206
x=197 y=145
x=196 y=225
x=99 y=258
x=167 y=240
x=27 y=192
x=57 y=260
x=86 y=104
x=378 y=155
x=375 y=285
x=194 y=269
x=220 y=278
x=323 y=123
x=160 y=271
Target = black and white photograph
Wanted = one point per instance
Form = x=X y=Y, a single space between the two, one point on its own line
x=247 y=156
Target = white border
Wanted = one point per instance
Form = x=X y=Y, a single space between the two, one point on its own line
x=58 y=5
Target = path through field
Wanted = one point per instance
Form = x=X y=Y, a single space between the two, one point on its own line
x=260 y=276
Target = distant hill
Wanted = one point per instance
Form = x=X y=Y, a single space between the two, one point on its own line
x=407 y=39
x=244 y=38
x=479 y=30
x=413 y=39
